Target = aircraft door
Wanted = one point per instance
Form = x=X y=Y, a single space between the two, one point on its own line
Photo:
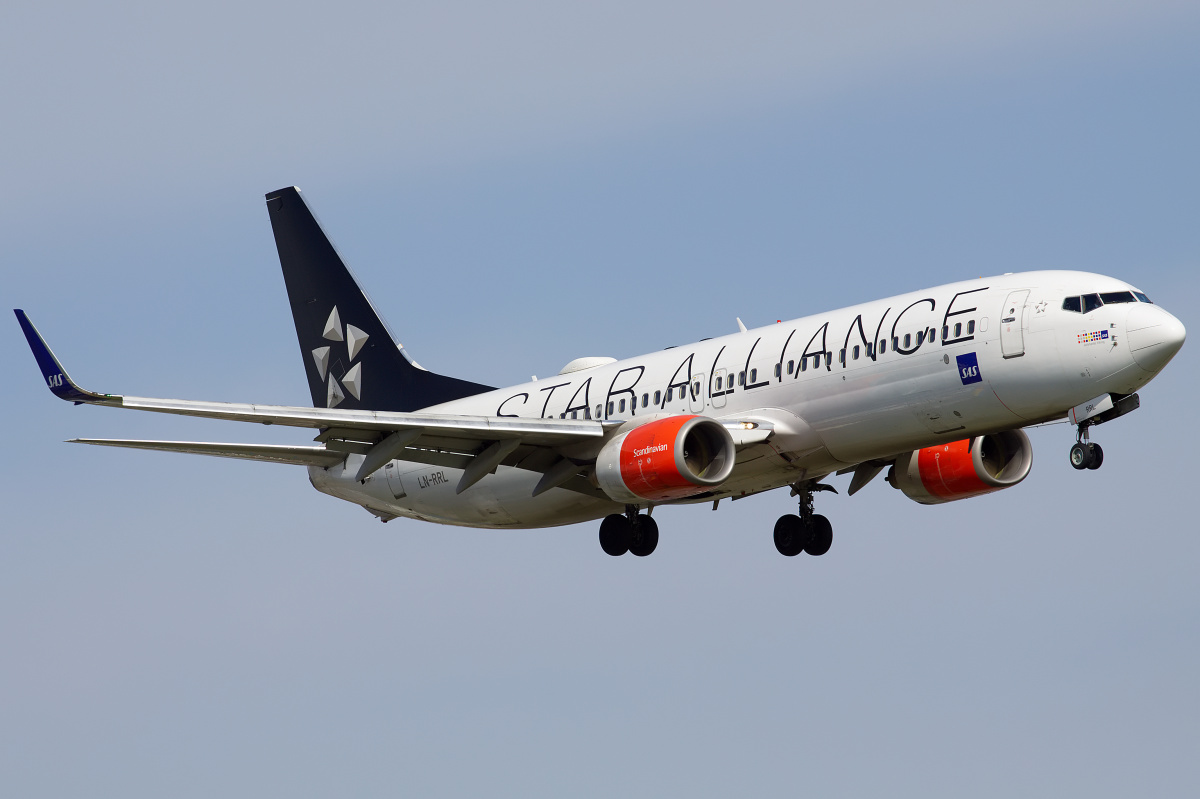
x=696 y=393
x=393 y=480
x=717 y=387
x=1012 y=322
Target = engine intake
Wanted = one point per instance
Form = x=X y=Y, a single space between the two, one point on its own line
x=962 y=469
x=671 y=458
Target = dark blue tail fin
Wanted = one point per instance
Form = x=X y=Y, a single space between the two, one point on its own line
x=351 y=359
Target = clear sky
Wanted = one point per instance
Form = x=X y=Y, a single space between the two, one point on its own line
x=518 y=185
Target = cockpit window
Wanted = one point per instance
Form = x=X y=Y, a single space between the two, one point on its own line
x=1142 y=297
x=1091 y=302
x=1113 y=297
x=1073 y=304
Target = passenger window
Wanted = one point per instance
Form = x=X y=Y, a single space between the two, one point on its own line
x=945 y=332
x=971 y=327
x=932 y=334
x=621 y=407
x=957 y=329
x=804 y=364
x=574 y=414
x=828 y=359
x=1091 y=302
x=718 y=384
x=856 y=352
x=842 y=357
x=753 y=375
x=658 y=398
x=779 y=370
x=907 y=340
x=791 y=366
x=920 y=338
x=1114 y=297
x=610 y=408
x=870 y=350
x=1142 y=297
x=895 y=342
x=1073 y=304
x=670 y=393
x=882 y=346
x=645 y=400
x=741 y=378
x=598 y=412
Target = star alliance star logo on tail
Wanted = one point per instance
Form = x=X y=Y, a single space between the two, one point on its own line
x=350 y=379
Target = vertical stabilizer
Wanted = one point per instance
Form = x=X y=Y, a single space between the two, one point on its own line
x=350 y=357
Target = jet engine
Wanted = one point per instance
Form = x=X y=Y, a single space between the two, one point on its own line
x=963 y=469
x=671 y=458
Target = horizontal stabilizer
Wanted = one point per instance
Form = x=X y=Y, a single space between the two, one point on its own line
x=273 y=453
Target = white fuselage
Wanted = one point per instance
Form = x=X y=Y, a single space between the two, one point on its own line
x=862 y=383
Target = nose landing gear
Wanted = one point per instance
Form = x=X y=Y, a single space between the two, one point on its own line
x=807 y=532
x=1085 y=454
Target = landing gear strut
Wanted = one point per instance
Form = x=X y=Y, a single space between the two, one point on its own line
x=807 y=532
x=633 y=532
x=1085 y=454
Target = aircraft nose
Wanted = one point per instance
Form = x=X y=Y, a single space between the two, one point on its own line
x=1154 y=336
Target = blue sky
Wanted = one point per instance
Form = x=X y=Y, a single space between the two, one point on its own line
x=517 y=187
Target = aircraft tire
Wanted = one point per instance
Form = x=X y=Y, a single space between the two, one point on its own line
x=615 y=534
x=791 y=535
x=1080 y=456
x=645 y=536
x=1097 y=457
x=822 y=536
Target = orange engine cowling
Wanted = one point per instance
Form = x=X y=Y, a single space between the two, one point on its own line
x=671 y=458
x=964 y=468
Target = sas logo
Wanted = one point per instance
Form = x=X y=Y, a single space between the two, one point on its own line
x=968 y=369
x=1095 y=337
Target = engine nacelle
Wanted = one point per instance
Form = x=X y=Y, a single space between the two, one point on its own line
x=963 y=469
x=671 y=458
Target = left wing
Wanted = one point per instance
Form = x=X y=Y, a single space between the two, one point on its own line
x=476 y=444
x=470 y=442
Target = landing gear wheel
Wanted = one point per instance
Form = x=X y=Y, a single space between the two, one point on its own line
x=791 y=535
x=822 y=536
x=1097 y=457
x=615 y=534
x=1081 y=456
x=645 y=536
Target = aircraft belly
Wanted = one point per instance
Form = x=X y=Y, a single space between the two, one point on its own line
x=500 y=500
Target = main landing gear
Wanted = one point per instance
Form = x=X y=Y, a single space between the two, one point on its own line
x=808 y=532
x=1085 y=454
x=634 y=532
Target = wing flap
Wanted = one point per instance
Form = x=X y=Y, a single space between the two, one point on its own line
x=273 y=453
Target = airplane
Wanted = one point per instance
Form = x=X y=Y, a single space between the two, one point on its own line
x=934 y=386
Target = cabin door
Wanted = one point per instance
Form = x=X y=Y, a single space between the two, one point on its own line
x=1012 y=322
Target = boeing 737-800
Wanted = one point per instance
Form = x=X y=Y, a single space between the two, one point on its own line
x=934 y=387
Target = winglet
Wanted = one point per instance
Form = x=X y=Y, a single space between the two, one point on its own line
x=56 y=376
